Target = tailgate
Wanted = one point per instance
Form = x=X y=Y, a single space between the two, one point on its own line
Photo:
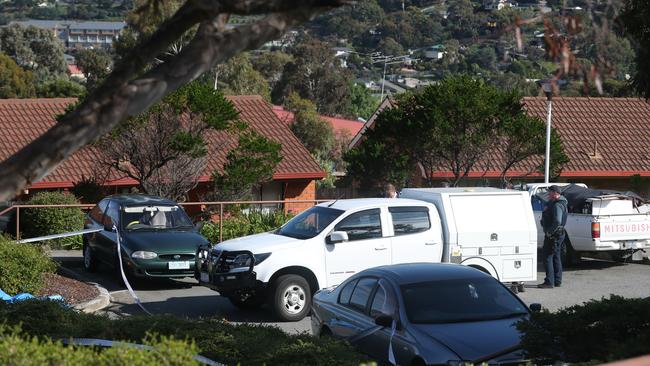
x=624 y=227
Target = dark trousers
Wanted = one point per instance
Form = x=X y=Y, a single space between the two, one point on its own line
x=552 y=251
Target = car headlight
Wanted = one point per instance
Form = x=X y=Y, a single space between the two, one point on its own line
x=140 y=254
x=259 y=258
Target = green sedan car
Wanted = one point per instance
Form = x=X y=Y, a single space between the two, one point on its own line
x=156 y=236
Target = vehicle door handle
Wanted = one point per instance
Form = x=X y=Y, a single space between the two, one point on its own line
x=381 y=248
x=430 y=243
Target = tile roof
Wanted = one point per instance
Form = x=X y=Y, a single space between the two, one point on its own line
x=22 y=120
x=338 y=124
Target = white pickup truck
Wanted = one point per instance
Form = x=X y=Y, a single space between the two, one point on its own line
x=489 y=229
x=608 y=223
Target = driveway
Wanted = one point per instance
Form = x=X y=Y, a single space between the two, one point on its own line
x=594 y=279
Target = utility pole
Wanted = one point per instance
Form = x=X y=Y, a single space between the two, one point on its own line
x=377 y=57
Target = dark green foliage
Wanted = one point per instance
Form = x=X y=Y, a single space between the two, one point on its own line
x=22 y=267
x=248 y=165
x=241 y=224
x=634 y=20
x=362 y=103
x=14 y=81
x=215 y=338
x=238 y=77
x=88 y=190
x=95 y=65
x=34 y=49
x=60 y=88
x=314 y=132
x=595 y=332
x=18 y=348
x=200 y=98
x=46 y=221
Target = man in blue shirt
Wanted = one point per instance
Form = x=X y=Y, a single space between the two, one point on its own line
x=553 y=220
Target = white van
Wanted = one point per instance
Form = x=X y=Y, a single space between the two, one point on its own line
x=326 y=244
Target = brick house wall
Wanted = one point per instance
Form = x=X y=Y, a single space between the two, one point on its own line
x=299 y=190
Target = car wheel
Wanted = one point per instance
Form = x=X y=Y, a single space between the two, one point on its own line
x=291 y=297
x=248 y=301
x=90 y=263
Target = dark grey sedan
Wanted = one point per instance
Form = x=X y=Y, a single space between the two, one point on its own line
x=423 y=314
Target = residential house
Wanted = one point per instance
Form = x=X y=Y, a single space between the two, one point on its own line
x=497 y=4
x=23 y=120
x=604 y=138
x=340 y=126
x=80 y=34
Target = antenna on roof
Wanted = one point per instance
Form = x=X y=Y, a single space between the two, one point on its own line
x=341 y=196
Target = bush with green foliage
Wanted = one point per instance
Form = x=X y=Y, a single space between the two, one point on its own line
x=22 y=267
x=597 y=331
x=17 y=348
x=215 y=338
x=88 y=190
x=242 y=224
x=46 y=221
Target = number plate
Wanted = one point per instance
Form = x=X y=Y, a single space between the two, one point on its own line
x=179 y=265
x=205 y=277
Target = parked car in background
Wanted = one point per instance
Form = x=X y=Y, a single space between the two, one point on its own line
x=424 y=314
x=156 y=235
x=599 y=221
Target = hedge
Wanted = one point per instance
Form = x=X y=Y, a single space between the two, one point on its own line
x=46 y=221
x=597 y=331
x=22 y=267
x=242 y=224
x=215 y=338
x=17 y=348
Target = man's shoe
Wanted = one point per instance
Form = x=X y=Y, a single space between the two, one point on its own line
x=558 y=285
x=544 y=285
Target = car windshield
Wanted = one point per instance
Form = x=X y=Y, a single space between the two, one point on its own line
x=460 y=300
x=155 y=218
x=309 y=223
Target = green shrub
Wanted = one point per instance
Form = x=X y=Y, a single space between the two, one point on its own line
x=22 y=267
x=242 y=224
x=16 y=348
x=88 y=190
x=215 y=338
x=46 y=221
x=596 y=332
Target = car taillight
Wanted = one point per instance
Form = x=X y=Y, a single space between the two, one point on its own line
x=595 y=230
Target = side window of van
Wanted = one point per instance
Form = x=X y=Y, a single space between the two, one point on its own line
x=361 y=225
x=410 y=220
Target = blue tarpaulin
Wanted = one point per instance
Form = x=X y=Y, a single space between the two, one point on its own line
x=20 y=297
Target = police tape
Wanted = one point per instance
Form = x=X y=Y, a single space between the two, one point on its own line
x=90 y=231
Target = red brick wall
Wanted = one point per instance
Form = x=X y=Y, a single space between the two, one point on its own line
x=299 y=190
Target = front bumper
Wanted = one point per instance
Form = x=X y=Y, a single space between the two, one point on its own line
x=160 y=267
x=213 y=271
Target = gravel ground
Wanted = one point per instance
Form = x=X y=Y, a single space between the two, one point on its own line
x=73 y=291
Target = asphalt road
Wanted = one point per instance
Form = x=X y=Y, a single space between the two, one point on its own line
x=594 y=279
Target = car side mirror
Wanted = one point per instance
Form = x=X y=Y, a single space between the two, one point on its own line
x=535 y=307
x=384 y=320
x=338 y=237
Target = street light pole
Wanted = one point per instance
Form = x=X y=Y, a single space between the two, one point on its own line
x=548 y=90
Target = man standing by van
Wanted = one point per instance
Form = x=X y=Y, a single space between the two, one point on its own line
x=553 y=221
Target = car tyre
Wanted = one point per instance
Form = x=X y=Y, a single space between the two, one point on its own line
x=291 y=297
x=90 y=262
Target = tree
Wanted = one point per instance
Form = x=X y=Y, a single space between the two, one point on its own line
x=634 y=20
x=34 y=49
x=60 y=88
x=238 y=77
x=247 y=166
x=95 y=65
x=449 y=126
x=315 y=74
x=14 y=81
x=314 y=132
x=132 y=87
x=271 y=64
x=163 y=149
x=361 y=103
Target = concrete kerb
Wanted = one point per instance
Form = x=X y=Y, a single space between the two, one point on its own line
x=100 y=301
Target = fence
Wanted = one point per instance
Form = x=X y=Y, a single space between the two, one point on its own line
x=202 y=206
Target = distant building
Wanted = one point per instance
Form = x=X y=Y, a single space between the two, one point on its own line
x=498 y=4
x=80 y=34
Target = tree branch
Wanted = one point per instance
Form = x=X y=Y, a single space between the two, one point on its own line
x=120 y=99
